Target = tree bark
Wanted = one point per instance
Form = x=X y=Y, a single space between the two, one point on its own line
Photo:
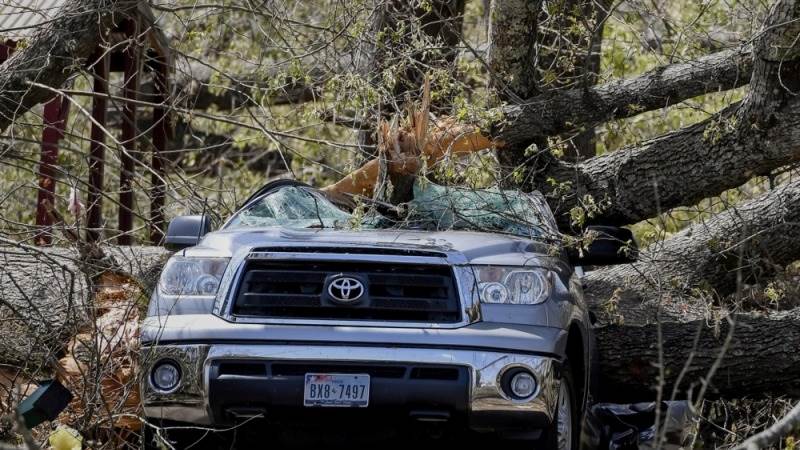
x=513 y=35
x=742 y=245
x=513 y=31
x=54 y=53
x=751 y=138
x=44 y=293
x=528 y=59
x=761 y=357
x=563 y=111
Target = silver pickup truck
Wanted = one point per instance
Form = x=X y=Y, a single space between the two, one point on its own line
x=298 y=310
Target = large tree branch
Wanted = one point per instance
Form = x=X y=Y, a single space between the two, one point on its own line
x=650 y=309
x=561 y=111
x=678 y=169
x=752 y=138
x=743 y=243
x=54 y=53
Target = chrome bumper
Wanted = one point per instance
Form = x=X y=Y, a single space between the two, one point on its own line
x=488 y=404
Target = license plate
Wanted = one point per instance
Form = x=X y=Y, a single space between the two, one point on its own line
x=336 y=390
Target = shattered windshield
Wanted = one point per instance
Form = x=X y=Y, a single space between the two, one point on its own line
x=492 y=209
x=292 y=207
x=433 y=208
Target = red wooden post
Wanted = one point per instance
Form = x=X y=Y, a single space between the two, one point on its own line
x=55 y=115
x=160 y=131
x=127 y=169
x=97 y=150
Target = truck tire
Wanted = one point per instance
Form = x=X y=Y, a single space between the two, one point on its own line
x=564 y=431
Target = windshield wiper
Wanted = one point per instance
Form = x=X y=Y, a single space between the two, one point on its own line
x=316 y=208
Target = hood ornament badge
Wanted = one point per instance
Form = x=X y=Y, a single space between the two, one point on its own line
x=346 y=290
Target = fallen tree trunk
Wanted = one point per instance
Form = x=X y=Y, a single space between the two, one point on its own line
x=652 y=302
x=756 y=355
x=742 y=245
x=709 y=154
x=45 y=297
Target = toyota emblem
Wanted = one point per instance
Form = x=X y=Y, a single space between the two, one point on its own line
x=345 y=289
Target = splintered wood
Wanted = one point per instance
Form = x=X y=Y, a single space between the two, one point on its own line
x=100 y=365
x=405 y=147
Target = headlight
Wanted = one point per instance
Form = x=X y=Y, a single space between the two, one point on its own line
x=192 y=276
x=513 y=285
x=165 y=376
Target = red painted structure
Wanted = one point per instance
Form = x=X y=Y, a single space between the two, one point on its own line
x=135 y=46
x=55 y=118
x=97 y=149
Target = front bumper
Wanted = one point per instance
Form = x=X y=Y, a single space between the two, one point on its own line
x=486 y=406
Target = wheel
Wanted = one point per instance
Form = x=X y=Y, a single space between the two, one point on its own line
x=564 y=431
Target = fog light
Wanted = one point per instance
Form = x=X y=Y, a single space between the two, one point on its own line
x=522 y=385
x=165 y=377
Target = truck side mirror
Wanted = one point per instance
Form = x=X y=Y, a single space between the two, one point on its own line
x=186 y=231
x=613 y=245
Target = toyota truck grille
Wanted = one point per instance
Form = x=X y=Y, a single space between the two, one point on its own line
x=391 y=291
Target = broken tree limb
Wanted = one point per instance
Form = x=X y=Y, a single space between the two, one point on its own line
x=653 y=307
x=561 y=111
x=404 y=149
x=54 y=53
x=450 y=141
x=751 y=138
x=743 y=244
x=706 y=144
